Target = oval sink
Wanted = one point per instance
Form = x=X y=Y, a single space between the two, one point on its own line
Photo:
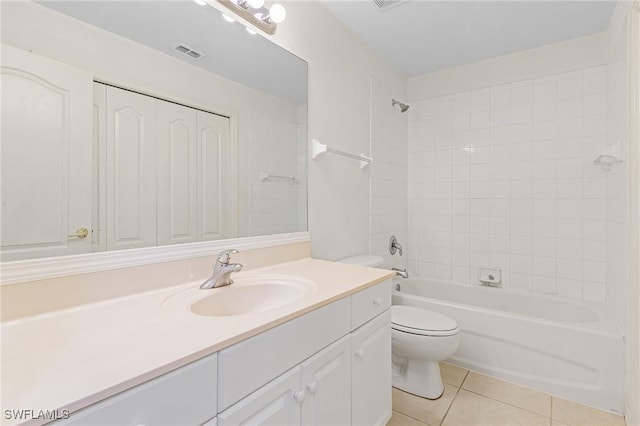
x=247 y=295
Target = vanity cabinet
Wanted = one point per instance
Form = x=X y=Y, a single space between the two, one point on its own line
x=347 y=382
x=316 y=392
x=277 y=403
x=186 y=396
x=370 y=383
x=326 y=383
x=316 y=369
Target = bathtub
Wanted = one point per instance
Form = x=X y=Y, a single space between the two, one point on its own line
x=567 y=348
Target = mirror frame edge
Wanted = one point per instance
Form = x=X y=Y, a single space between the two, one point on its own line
x=21 y=271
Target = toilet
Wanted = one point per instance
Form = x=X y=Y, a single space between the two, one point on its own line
x=420 y=339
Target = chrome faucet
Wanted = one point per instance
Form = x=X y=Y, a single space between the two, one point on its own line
x=401 y=272
x=222 y=271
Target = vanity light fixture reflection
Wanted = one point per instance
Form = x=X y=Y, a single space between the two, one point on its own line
x=254 y=11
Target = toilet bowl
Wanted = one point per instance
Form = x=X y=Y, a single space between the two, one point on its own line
x=419 y=340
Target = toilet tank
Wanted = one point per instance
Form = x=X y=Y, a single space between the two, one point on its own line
x=364 y=260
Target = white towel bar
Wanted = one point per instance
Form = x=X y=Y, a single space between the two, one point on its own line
x=319 y=148
x=266 y=177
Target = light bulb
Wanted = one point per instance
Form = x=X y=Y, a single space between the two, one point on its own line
x=277 y=13
x=201 y=2
x=256 y=4
x=227 y=18
x=250 y=31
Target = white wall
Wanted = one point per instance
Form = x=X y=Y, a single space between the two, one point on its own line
x=340 y=67
x=633 y=350
x=617 y=178
x=556 y=58
x=388 y=175
x=623 y=191
x=502 y=175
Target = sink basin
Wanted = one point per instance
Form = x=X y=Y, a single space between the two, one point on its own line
x=247 y=295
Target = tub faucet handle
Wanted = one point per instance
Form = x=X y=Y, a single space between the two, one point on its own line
x=394 y=245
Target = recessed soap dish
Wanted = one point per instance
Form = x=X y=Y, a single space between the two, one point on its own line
x=490 y=275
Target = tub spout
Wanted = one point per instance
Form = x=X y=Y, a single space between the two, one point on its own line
x=401 y=272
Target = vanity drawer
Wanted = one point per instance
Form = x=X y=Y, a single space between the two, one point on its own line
x=370 y=302
x=250 y=364
x=181 y=397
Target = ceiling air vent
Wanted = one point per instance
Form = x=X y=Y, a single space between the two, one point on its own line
x=387 y=4
x=188 y=51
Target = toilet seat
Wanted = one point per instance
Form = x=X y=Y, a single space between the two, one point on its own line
x=422 y=322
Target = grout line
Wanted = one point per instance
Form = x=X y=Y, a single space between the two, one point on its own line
x=509 y=404
x=411 y=417
x=464 y=378
x=454 y=398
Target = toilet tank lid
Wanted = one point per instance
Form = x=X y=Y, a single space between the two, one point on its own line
x=364 y=260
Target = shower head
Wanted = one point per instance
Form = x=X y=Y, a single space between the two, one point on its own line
x=403 y=107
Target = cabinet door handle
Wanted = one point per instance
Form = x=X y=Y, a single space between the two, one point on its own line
x=377 y=301
x=299 y=396
x=360 y=353
x=312 y=387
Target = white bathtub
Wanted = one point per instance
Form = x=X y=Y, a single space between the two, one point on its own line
x=571 y=349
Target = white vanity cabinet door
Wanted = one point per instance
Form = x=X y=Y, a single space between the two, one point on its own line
x=252 y=363
x=371 y=372
x=186 y=396
x=326 y=381
x=278 y=403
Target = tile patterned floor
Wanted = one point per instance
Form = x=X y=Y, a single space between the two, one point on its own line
x=473 y=399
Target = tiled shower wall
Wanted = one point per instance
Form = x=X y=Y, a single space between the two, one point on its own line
x=504 y=177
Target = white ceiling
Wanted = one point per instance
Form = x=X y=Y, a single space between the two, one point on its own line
x=420 y=36
x=228 y=49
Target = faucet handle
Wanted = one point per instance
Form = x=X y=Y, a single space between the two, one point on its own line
x=225 y=255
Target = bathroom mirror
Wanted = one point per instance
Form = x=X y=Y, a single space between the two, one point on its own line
x=233 y=85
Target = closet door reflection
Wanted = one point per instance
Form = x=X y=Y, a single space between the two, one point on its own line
x=169 y=170
x=131 y=170
x=177 y=174
x=217 y=188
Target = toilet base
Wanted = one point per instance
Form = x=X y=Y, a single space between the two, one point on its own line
x=420 y=378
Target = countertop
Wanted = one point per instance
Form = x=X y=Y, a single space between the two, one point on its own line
x=72 y=358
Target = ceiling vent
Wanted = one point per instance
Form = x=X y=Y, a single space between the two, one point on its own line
x=387 y=4
x=188 y=51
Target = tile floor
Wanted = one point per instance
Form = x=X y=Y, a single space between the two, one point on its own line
x=473 y=399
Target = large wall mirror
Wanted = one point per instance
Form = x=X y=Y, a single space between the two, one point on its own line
x=130 y=124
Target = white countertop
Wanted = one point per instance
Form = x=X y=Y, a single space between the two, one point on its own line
x=72 y=358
